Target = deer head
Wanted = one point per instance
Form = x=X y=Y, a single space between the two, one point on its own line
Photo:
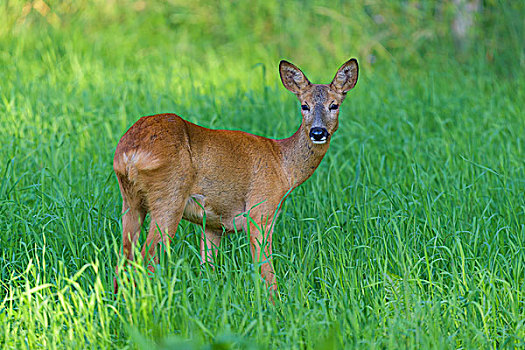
x=320 y=102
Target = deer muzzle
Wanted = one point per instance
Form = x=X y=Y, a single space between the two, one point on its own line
x=319 y=135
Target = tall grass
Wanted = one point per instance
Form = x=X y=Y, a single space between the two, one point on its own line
x=409 y=235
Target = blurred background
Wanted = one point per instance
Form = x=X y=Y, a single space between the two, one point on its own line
x=226 y=36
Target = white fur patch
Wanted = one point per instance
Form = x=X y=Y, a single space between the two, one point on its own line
x=137 y=160
x=141 y=160
x=193 y=211
x=320 y=142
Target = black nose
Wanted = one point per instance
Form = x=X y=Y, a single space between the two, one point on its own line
x=318 y=135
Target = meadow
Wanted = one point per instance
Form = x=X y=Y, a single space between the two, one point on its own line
x=411 y=233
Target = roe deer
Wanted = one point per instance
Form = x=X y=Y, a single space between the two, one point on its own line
x=176 y=170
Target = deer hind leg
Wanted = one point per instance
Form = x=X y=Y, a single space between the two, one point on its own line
x=132 y=220
x=210 y=240
x=133 y=214
x=166 y=202
x=162 y=228
x=131 y=224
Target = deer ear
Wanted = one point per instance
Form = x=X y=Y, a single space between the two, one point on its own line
x=292 y=77
x=346 y=77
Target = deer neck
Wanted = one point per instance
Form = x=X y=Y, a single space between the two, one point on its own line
x=300 y=157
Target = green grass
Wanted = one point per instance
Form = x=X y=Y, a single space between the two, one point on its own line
x=410 y=234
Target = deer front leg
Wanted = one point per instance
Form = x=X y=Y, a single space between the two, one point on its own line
x=210 y=240
x=261 y=248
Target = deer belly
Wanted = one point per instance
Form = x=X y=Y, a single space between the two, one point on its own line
x=198 y=211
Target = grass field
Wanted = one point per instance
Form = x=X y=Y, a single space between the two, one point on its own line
x=411 y=234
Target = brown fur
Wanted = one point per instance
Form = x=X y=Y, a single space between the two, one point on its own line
x=175 y=169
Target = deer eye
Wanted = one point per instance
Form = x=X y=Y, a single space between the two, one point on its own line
x=333 y=107
x=305 y=108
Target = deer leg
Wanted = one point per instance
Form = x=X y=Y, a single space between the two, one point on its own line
x=210 y=240
x=132 y=220
x=159 y=231
x=261 y=248
x=162 y=228
x=133 y=214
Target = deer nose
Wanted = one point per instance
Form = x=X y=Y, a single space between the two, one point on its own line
x=318 y=135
